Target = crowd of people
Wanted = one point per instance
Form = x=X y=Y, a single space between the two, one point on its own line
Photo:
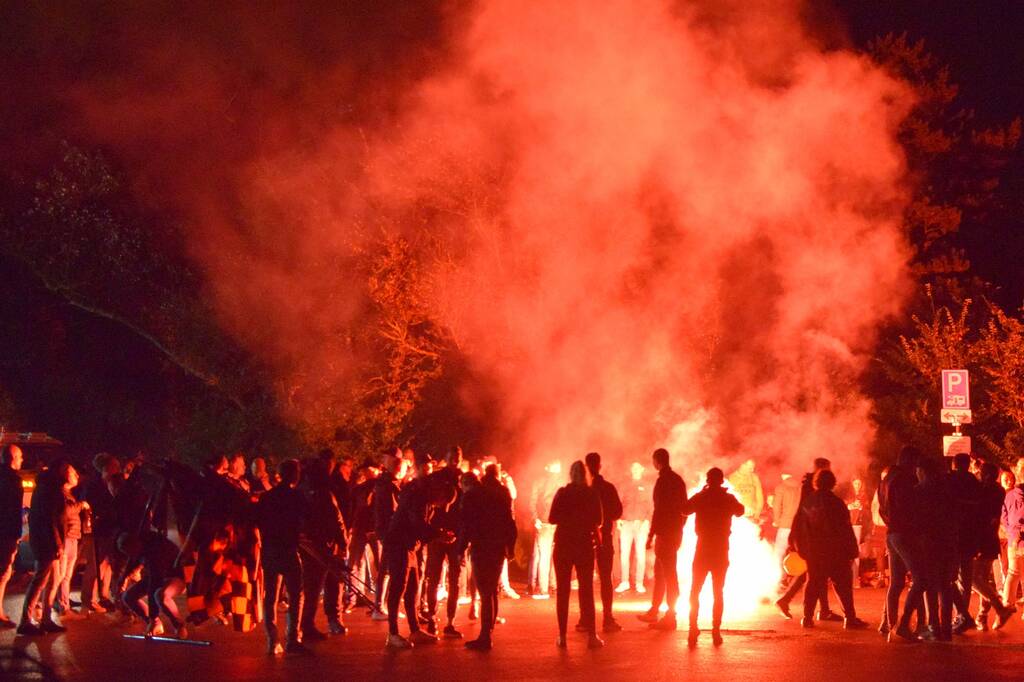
x=405 y=531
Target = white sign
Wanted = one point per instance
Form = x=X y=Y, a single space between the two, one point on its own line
x=956 y=416
x=954 y=445
x=956 y=389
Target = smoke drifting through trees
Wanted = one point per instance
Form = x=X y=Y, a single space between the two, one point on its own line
x=642 y=223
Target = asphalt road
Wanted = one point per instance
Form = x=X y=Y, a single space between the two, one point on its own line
x=762 y=647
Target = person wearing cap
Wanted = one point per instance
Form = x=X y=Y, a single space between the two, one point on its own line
x=714 y=509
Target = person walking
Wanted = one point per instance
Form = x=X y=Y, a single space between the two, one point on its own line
x=713 y=509
x=824 y=537
x=576 y=515
x=666 y=536
x=896 y=506
x=991 y=505
x=489 y=531
x=611 y=511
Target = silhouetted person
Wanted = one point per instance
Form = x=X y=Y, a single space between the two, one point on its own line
x=611 y=511
x=576 y=514
x=934 y=506
x=965 y=490
x=385 y=501
x=11 y=495
x=408 y=532
x=362 y=540
x=488 y=529
x=896 y=494
x=45 y=536
x=666 y=536
x=824 y=612
x=323 y=549
x=991 y=496
x=440 y=551
x=824 y=537
x=280 y=514
x=714 y=509
x=100 y=545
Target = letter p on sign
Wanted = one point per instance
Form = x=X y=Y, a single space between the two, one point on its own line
x=956 y=389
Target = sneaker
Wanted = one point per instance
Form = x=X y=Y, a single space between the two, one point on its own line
x=479 y=644
x=830 y=617
x=451 y=633
x=95 y=608
x=431 y=626
x=716 y=637
x=540 y=595
x=783 y=607
x=855 y=624
x=640 y=589
x=668 y=624
x=982 y=624
x=311 y=634
x=379 y=615
x=107 y=604
x=649 y=616
x=806 y=622
x=420 y=637
x=928 y=635
x=963 y=624
x=611 y=625
x=693 y=636
x=560 y=642
x=397 y=642
x=50 y=626
x=901 y=634
x=464 y=600
x=295 y=649
x=155 y=628
x=1003 y=617
x=29 y=629
x=623 y=587
x=594 y=642
x=510 y=593
x=336 y=627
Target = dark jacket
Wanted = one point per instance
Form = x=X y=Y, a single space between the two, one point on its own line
x=447 y=518
x=965 y=491
x=486 y=518
x=990 y=509
x=611 y=508
x=11 y=497
x=409 y=524
x=157 y=557
x=280 y=514
x=362 y=508
x=324 y=525
x=46 y=517
x=896 y=500
x=104 y=514
x=576 y=513
x=714 y=508
x=669 y=516
x=823 y=532
x=342 y=490
x=385 y=501
x=933 y=502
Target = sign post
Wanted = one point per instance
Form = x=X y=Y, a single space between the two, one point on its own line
x=956 y=409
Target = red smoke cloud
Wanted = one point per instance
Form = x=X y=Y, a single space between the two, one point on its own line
x=661 y=224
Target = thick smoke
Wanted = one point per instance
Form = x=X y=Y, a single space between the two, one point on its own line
x=651 y=223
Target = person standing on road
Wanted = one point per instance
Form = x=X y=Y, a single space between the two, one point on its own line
x=489 y=531
x=634 y=526
x=824 y=536
x=611 y=511
x=46 y=538
x=280 y=514
x=666 y=536
x=11 y=496
x=324 y=548
x=576 y=514
x=440 y=552
x=541 y=496
x=713 y=509
x=384 y=503
x=785 y=501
